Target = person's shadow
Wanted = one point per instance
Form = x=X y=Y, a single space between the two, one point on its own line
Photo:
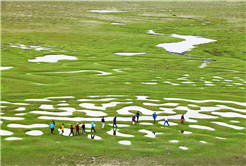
x=114 y=131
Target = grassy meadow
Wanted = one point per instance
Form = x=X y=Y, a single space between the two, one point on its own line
x=69 y=28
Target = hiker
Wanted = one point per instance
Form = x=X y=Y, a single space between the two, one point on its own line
x=166 y=121
x=83 y=128
x=52 y=127
x=103 y=122
x=133 y=119
x=92 y=126
x=137 y=115
x=77 y=128
x=114 y=120
x=182 y=119
x=154 y=116
x=71 y=130
x=62 y=129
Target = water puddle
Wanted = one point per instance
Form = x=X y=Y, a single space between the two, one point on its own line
x=60 y=97
x=229 y=114
x=63 y=104
x=6 y=102
x=117 y=23
x=228 y=125
x=193 y=105
x=145 y=123
x=184 y=46
x=5 y=133
x=165 y=104
x=117 y=133
x=174 y=141
x=125 y=142
x=13 y=138
x=188 y=82
x=34 y=133
x=5 y=68
x=220 y=137
x=48 y=107
x=37 y=48
x=20 y=114
x=52 y=58
x=149 y=83
x=81 y=71
x=234 y=121
x=128 y=54
x=106 y=11
x=201 y=127
x=150 y=134
x=91 y=136
x=125 y=110
x=103 y=107
x=238 y=83
x=184 y=148
x=230 y=108
x=11 y=118
x=210 y=84
x=203 y=142
x=27 y=126
x=52 y=113
x=105 y=99
x=145 y=98
x=93 y=113
x=20 y=109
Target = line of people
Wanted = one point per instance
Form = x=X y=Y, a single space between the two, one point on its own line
x=52 y=125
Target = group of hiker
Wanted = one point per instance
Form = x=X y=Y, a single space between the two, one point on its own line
x=134 y=118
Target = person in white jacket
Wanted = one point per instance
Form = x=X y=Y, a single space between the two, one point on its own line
x=166 y=120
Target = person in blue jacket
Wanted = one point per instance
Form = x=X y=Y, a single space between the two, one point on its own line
x=114 y=120
x=92 y=126
x=52 y=127
x=137 y=115
x=154 y=116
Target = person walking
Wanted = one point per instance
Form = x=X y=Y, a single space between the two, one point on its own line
x=154 y=116
x=77 y=129
x=83 y=128
x=137 y=115
x=52 y=127
x=182 y=119
x=71 y=130
x=114 y=120
x=103 y=122
x=62 y=129
x=133 y=119
x=166 y=121
x=92 y=126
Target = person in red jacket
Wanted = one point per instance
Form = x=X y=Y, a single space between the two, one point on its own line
x=77 y=128
x=71 y=130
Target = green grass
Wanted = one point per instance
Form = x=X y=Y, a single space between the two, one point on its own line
x=70 y=27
